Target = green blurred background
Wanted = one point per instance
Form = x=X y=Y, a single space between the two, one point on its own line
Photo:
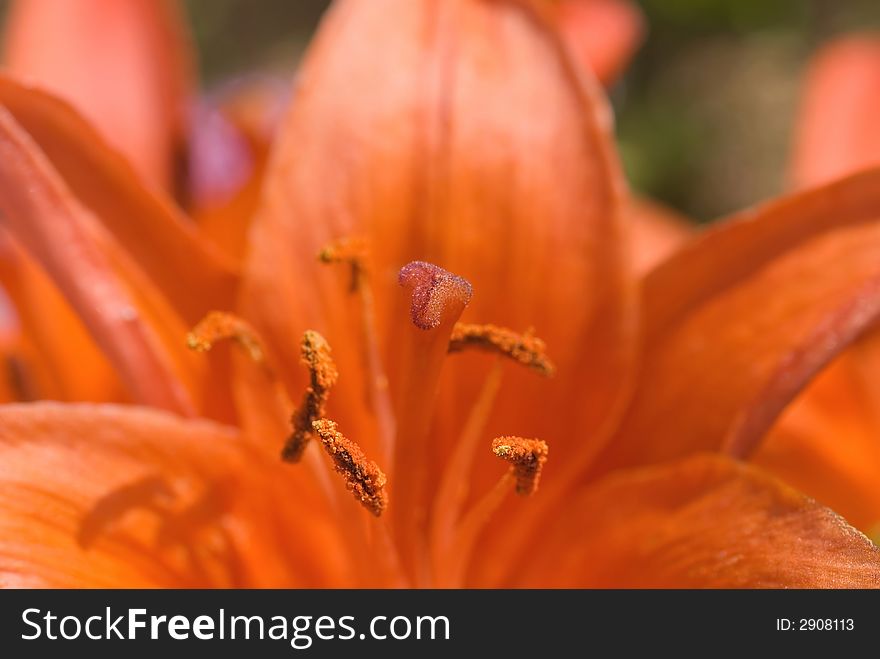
x=704 y=113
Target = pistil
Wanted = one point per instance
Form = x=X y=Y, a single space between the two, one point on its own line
x=436 y=300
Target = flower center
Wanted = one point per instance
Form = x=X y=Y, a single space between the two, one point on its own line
x=429 y=536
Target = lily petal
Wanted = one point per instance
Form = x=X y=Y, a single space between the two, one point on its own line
x=704 y=522
x=146 y=224
x=55 y=357
x=125 y=65
x=742 y=318
x=656 y=233
x=825 y=444
x=603 y=34
x=166 y=502
x=41 y=213
x=837 y=129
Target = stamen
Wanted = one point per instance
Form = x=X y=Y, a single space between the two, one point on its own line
x=219 y=326
x=454 y=486
x=363 y=478
x=527 y=457
x=322 y=375
x=354 y=253
x=452 y=570
x=351 y=252
x=259 y=394
x=526 y=348
x=433 y=288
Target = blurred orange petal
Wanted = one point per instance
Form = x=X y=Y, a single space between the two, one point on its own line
x=125 y=65
x=230 y=139
x=656 y=232
x=40 y=212
x=157 y=235
x=167 y=503
x=742 y=318
x=602 y=34
x=704 y=522
x=837 y=130
x=53 y=356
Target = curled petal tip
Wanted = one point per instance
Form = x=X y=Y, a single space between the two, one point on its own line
x=433 y=290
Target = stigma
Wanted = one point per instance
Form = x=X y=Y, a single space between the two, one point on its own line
x=433 y=291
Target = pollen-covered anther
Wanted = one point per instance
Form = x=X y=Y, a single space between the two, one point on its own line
x=433 y=290
x=526 y=348
x=322 y=377
x=219 y=326
x=527 y=456
x=363 y=478
x=352 y=252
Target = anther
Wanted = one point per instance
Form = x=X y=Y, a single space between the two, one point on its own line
x=363 y=478
x=351 y=252
x=527 y=456
x=219 y=326
x=526 y=349
x=433 y=289
x=322 y=376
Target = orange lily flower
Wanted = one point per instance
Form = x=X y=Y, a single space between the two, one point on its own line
x=472 y=140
